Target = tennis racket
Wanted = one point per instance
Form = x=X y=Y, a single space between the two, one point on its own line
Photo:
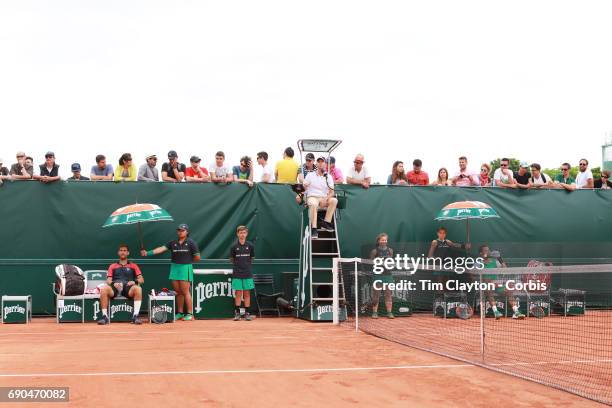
x=160 y=315
x=464 y=311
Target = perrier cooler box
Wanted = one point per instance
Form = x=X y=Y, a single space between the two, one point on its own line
x=70 y=309
x=16 y=309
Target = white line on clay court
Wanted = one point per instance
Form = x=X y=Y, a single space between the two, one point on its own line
x=262 y=371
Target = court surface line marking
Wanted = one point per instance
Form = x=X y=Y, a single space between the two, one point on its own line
x=262 y=371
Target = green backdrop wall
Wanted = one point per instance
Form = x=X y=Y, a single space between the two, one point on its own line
x=44 y=225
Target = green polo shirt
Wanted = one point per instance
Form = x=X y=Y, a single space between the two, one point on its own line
x=569 y=180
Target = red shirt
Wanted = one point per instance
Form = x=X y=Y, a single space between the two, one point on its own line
x=420 y=179
x=190 y=172
x=127 y=272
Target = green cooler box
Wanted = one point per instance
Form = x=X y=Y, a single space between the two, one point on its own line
x=93 y=311
x=70 y=309
x=16 y=309
x=165 y=303
x=213 y=297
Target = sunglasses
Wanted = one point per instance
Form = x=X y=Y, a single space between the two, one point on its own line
x=483 y=169
x=583 y=164
x=503 y=165
x=20 y=157
x=358 y=162
x=564 y=169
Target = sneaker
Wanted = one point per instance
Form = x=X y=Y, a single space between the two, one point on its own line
x=315 y=233
x=374 y=315
x=104 y=320
x=497 y=314
x=236 y=315
x=518 y=315
x=179 y=316
x=390 y=315
x=248 y=317
x=188 y=317
x=136 y=320
x=326 y=226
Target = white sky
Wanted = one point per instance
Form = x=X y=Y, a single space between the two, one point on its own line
x=395 y=80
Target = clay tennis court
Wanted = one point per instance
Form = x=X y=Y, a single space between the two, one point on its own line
x=223 y=363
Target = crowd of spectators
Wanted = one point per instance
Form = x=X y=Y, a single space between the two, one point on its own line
x=289 y=171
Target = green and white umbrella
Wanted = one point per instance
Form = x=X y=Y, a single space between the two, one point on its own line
x=465 y=210
x=136 y=214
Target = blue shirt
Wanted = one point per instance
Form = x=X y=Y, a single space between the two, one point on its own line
x=106 y=171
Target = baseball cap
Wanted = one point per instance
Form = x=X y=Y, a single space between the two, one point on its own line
x=321 y=158
x=49 y=154
x=524 y=165
x=172 y=154
x=310 y=156
x=183 y=227
x=75 y=167
x=195 y=159
x=150 y=156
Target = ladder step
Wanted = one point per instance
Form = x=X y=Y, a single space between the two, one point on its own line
x=325 y=253
x=326 y=283
x=329 y=299
x=321 y=268
x=324 y=239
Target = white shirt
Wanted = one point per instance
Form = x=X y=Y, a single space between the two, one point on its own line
x=316 y=185
x=359 y=176
x=504 y=178
x=582 y=177
x=261 y=171
x=219 y=171
x=540 y=181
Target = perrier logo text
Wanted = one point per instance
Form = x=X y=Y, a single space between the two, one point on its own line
x=13 y=309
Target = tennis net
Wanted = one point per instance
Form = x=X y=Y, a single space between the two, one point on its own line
x=543 y=323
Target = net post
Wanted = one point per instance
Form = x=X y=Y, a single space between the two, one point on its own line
x=482 y=317
x=335 y=291
x=356 y=288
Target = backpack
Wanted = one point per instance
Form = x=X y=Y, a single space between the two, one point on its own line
x=69 y=280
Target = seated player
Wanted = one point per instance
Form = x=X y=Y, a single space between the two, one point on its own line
x=241 y=256
x=382 y=251
x=123 y=278
x=491 y=261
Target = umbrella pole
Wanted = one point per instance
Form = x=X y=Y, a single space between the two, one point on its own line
x=140 y=236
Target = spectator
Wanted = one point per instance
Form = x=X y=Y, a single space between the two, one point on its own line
x=307 y=167
x=417 y=177
x=244 y=172
x=522 y=176
x=173 y=171
x=484 y=177
x=604 y=182
x=359 y=174
x=21 y=170
x=126 y=170
x=442 y=179
x=335 y=171
x=49 y=171
x=503 y=175
x=266 y=174
x=76 y=173
x=287 y=170
x=195 y=173
x=148 y=171
x=4 y=172
x=320 y=194
x=101 y=171
x=565 y=180
x=538 y=179
x=397 y=175
x=219 y=173
x=584 y=179
x=464 y=177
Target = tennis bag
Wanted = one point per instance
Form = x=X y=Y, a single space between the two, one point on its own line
x=69 y=280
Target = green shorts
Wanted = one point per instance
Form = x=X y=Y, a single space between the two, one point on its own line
x=181 y=272
x=242 y=284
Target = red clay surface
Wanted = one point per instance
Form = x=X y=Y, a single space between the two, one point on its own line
x=266 y=362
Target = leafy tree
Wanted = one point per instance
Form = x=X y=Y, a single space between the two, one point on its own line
x=573 y=172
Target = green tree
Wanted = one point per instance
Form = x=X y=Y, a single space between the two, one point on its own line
x=514 y=164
